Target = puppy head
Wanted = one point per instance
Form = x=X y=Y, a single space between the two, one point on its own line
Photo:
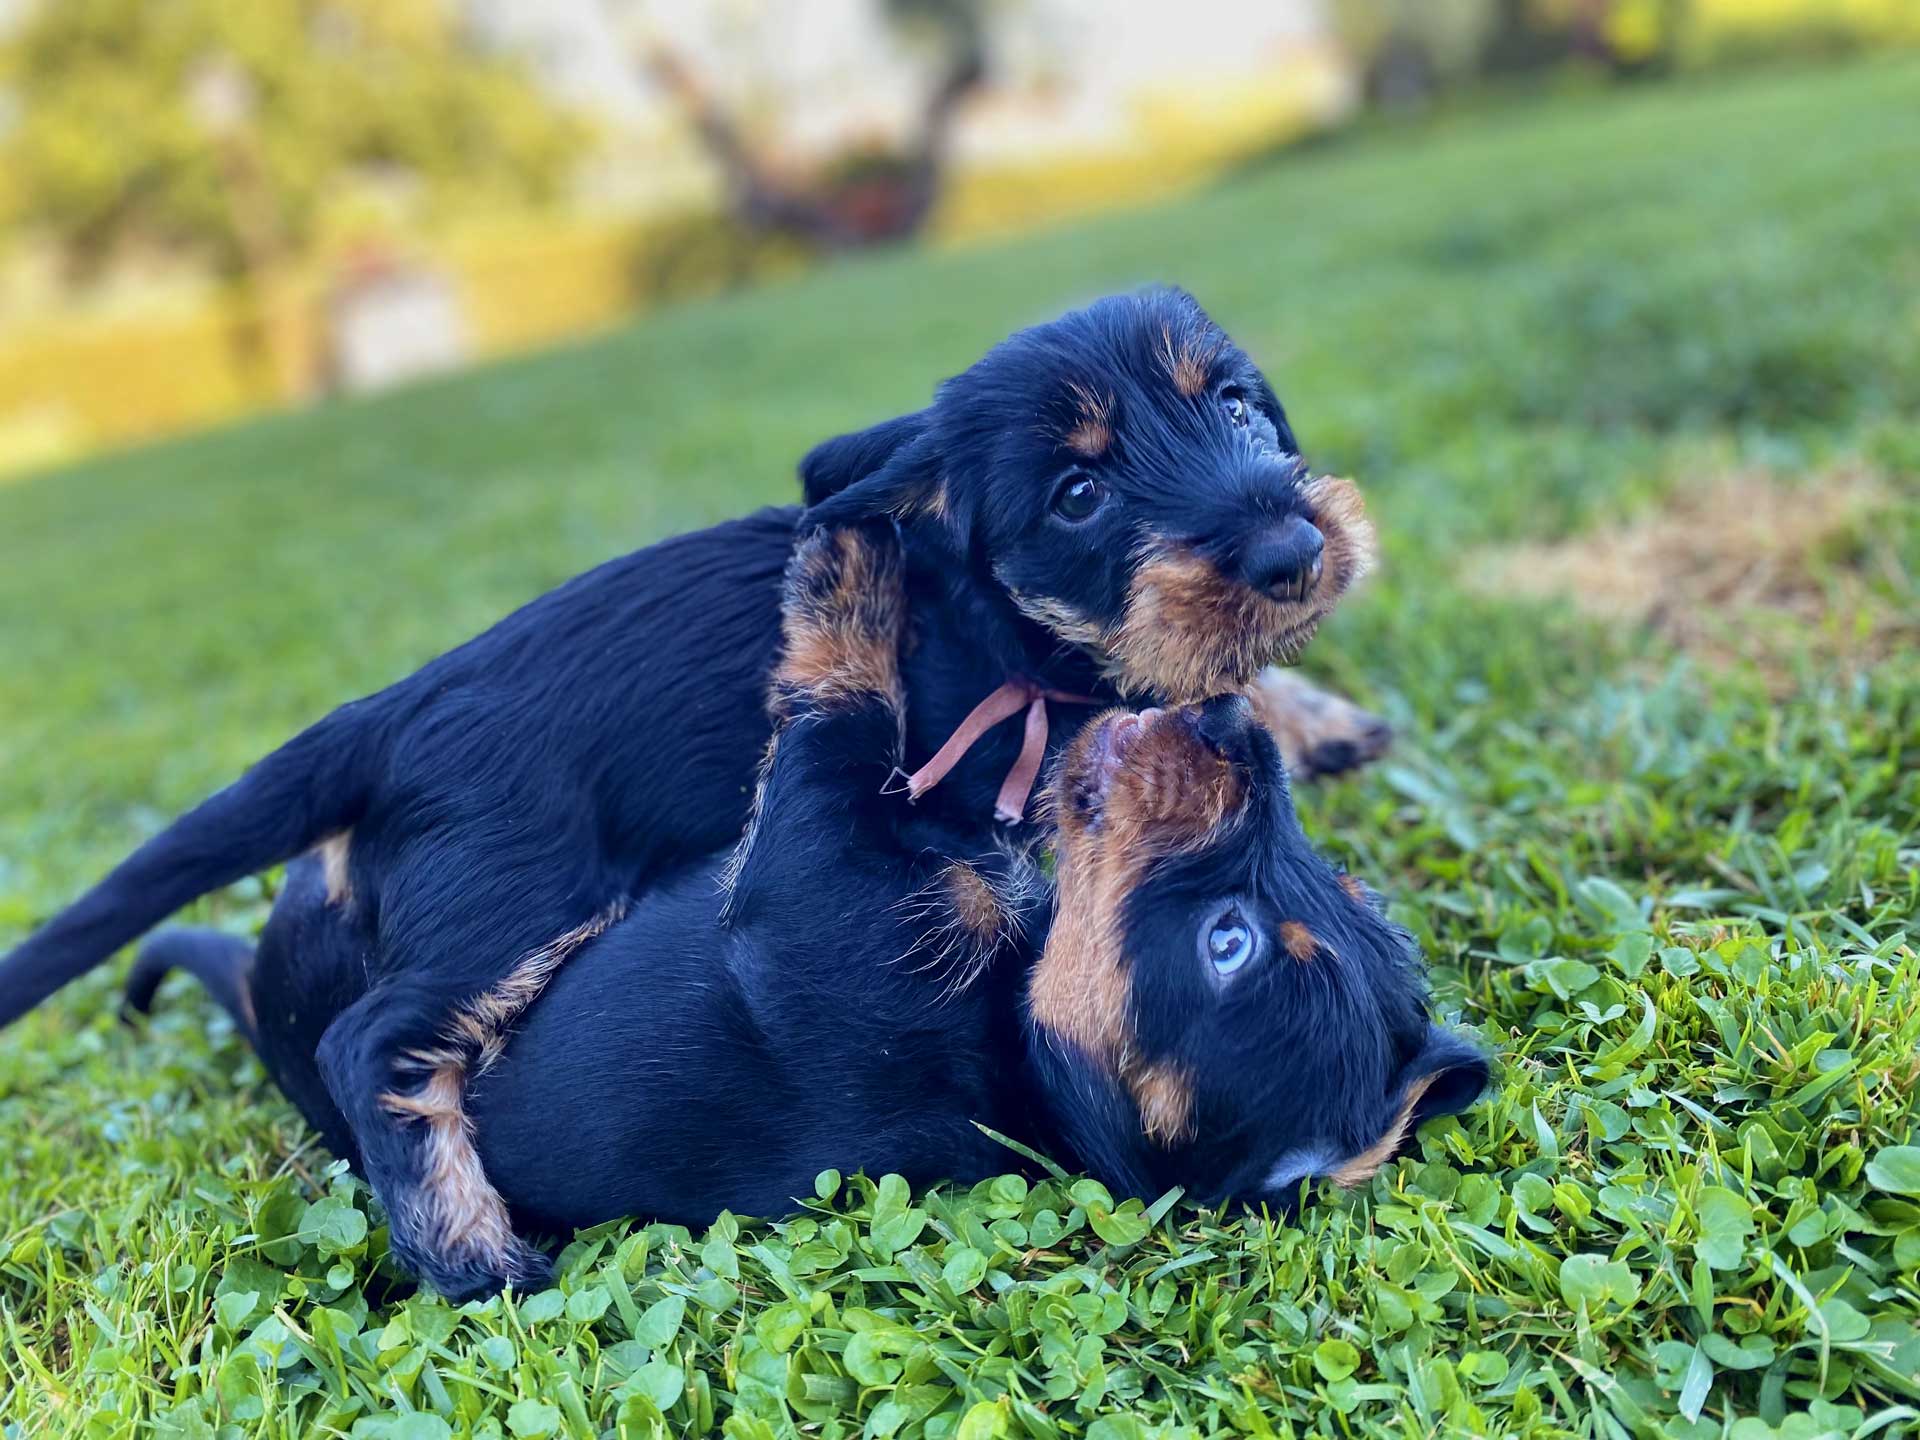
x=1125 y=477
x=1216 y=1006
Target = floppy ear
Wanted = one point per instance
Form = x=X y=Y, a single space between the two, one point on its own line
x=907 y=487
x=1450 y=1070
x=1444 y=1078
x=833 y=465
x=1270 y=402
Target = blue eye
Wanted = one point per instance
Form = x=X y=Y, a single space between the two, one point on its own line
x=1230 y=944
x=1234 y=405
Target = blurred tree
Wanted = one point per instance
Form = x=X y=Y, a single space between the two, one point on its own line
x=1411 y=49
x=223 y=129
x=1408 y=49
x=865 y=196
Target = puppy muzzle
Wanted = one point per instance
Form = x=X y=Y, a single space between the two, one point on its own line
x=1284 y=561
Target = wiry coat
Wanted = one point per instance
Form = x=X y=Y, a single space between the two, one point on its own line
x=528 y=783
x=711 y=1050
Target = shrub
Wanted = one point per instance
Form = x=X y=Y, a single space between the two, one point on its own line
x=226 y=131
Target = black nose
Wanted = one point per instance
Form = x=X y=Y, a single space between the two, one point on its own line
x=1284 y=562
x=1225 y=723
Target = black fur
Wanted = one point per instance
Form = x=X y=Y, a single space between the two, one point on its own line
x=219 y=961
x=681 y=1064
x=608 y=731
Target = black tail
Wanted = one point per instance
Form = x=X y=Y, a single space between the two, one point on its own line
x=221 y=962
x=309 y=788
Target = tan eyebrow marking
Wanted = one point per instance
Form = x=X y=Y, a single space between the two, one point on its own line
x=1189 y=362
x=1189 y=377
x=1090 y=439
x=1092 y=432
x=1298 y=941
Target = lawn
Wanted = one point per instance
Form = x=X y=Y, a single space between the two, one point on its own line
x=1660 y=846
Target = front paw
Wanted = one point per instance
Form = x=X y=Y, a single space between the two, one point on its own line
x=1318 y=732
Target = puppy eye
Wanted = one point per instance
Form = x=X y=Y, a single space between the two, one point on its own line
x=1229 y=943
x=1078 y=497
x=1233 y=405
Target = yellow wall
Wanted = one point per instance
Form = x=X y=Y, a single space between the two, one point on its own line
x=1869 y=20
x=68 y=386
x=79 y=384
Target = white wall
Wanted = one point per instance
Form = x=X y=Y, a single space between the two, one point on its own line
x=1067 y=72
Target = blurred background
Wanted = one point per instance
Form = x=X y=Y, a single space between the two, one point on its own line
x=209 y=209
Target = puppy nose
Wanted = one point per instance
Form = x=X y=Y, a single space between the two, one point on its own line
x=1285 y=561
x=1225 y=723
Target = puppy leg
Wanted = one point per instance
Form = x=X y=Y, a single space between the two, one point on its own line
x=448 y=1224
x=842 y=612
x=311 y=963
x=1318 y=732
x=838 y=703
x=473 y=928
x=222 y=963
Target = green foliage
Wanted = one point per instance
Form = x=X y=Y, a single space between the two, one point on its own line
x=228 y=130
x=1679 y=902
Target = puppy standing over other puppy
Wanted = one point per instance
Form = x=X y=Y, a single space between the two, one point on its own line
x=1109 y=504
x=1211 y=1006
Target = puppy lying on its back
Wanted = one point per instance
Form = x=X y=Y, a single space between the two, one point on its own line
x=1210 y=1004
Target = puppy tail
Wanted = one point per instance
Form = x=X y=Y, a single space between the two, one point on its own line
x=221 y=962
x=312 y=787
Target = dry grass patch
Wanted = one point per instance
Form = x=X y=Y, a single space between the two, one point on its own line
x=1747 y=566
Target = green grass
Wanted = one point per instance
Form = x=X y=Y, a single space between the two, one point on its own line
x=1679 y=899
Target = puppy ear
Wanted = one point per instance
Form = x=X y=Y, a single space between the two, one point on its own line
x=1445 y=1077
x=833 y=465
x=907 y=488
x=1270 y=402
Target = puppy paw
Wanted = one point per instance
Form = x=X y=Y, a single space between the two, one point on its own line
x=842 y=613
x=474 y=1274
x=1318 y=732
x=522 y=1266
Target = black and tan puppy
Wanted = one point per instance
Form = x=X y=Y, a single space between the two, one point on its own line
x=1212 y=1005
x=1108 y=504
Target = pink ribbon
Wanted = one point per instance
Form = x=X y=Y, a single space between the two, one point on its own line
x=1010 y=806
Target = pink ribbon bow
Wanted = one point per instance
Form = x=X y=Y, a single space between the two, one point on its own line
x=1003 y=704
